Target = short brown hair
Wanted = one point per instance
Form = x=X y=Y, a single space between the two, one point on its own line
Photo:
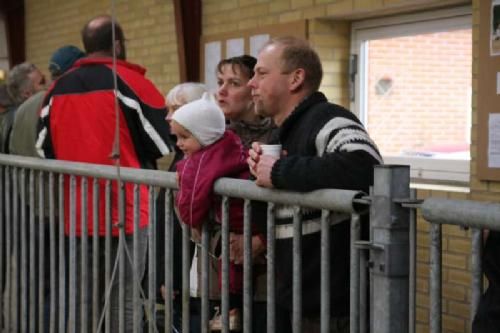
x=245 y=63
x=298 y=53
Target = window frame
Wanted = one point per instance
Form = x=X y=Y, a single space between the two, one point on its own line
x=422 y=169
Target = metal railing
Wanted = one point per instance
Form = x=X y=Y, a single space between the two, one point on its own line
x=33 y=212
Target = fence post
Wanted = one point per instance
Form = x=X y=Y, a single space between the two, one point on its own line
x=389 y=266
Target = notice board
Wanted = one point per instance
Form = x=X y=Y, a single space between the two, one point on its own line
x=488 y=91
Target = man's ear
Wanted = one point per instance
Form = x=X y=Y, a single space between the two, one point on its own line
x=297 y=78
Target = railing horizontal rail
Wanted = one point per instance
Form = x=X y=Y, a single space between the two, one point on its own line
x=133 y=175
x=462 y=212
x=337 y=200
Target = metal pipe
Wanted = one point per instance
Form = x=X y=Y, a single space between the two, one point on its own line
x=247 y=267
x=84 y=277
x=169 y=260
x=389 y=249
x=121 y=256
x=135 y=290
x=107 y=251
x=41 y=254
x=363 y=292
x=476 y=271
x=24 y=256
x=435 y=279
x=95 y=255
x=31 y=255
x=225 y=265
x=336 y=200
x=355 y=276
x=271 y=270
x=53 y=254
x=3 y=239
x=9 y=246
x=150 y=308
x=297 y=272
x=474 y=214
x=72 y=255
x=62 y=256
x=413 y=265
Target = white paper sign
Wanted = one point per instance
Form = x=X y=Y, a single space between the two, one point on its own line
x=212 y=58
x=498 y=83
x=235 y=47
x=494 y=140
x=256 y=43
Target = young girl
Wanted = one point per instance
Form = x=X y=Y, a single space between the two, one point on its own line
x=210 y=153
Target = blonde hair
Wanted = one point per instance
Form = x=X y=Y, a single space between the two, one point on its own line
x=184 y=93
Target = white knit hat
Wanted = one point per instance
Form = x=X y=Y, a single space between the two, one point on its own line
x=203 y=118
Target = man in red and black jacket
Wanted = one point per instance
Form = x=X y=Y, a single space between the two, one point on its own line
x=78 y=123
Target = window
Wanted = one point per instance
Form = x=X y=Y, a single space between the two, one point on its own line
x=413 y=90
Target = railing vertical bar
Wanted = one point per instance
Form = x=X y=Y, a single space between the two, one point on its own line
x=363 y=292
x=169 y=260
x=24 y=255
x=152 y=261
x=95 y=255
x=225 y=265
x=16 y=249
x=107 y=251
x=477 y=270
x=271 y=271
x=205 y=276
x=9 y=247
x=355 y=275
x=435 y=278
x=297 y=271
x=62 y=256
x=413 y=264
x=247 y=267
x=72 y=254
x=3 y=250
x=84 y=278
x=53 y=254
x=42 y=228
x=121 y=256
x=186 y=264
x=31 y=273
x=137 y=304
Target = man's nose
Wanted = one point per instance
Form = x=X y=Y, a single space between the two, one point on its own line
x=251 y=82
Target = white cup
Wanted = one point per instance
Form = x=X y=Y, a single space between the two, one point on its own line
x=271 y=150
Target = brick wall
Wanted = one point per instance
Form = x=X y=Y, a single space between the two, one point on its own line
x=427 y=101
x=148 y=25
x=331 y=39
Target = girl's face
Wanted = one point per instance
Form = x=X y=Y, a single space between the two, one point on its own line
x=185 y=140
x=233 y=95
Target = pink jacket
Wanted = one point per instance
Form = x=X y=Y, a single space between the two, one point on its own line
x=197 y=175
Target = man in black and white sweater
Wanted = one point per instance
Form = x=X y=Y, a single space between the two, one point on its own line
x=325 y=146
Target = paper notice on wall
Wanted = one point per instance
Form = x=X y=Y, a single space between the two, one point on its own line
x=212 y=58
x=494 y=140
x=256 y=43
x=235 y=47
x=498 y=83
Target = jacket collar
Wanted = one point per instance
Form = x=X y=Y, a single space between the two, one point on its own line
x=315 y=98
x=109 y=62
